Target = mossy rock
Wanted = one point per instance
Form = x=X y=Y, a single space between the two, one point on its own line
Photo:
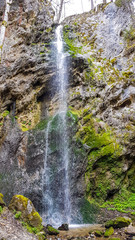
x=26 y=207
x=52 y=231
x=118 y=222
x=98 y=233
x=109 y=232
x=114 y=238
x=2 y=203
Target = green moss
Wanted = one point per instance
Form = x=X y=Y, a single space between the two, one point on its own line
x=4 y=23
x=103 y=151
x=121 y=3
x=2 y=203
x=18 y=215
x=118 y=222
x=88 y=211
x=25 y=206
x=34 y=230
x=113 y=60
x=124 y=202
x=52 y=231
x=72 y=49
x=42 y=124
x=98 y=233
x=129 y=34
x=1 y=209
x=109 y=232
x=127 y=74
x=73 y=115
x=114 y=238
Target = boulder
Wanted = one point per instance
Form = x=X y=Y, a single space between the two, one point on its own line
x=64 y=227
x=51 y=231
x=130 y=231
x=118 y=222
x=2 y=203
x=109 y=232
x=98 y=233
x=26 y=207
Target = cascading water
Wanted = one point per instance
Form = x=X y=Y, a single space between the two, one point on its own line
x=56 y=193
x=5 y=20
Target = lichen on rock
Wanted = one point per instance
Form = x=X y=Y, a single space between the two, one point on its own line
x=2 y=203
x=26 y=207
x=118 y=222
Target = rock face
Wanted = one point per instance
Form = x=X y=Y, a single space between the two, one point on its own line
x=101 y=96
x=13 y=229
x=2 y=9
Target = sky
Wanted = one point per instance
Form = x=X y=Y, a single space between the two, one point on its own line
x=79 y=6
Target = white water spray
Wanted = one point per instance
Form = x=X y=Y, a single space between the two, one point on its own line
x=56 y=193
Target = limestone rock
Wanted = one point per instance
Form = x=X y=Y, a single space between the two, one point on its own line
x=26 y=207
x=12 y=229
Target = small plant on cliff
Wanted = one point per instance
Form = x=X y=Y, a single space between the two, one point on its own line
x=1 y=209
x=129 y=34
x=18 y=215
x=72 y=49
x=120 y=3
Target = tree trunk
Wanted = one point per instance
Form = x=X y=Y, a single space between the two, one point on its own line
x=60 y=10
x=104 y=1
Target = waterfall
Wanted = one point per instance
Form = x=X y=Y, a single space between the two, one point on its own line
x=56 y=193
x=5 y=21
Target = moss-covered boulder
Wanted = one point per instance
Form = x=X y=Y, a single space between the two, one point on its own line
x=109 y=232
x=118 y=222
x=26 y=207
x=2 y=203
x=51 y=231
x=114 y=238
x=98 y=233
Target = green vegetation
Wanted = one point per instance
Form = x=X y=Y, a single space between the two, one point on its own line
x=109 y=232
x=114 y=238
x=2 y=203
x=124 y=202
x=72 y=49
x=98 y=233
x=35 y=230
x=42 y=124
x=120 y=3
x=129 y=34
x=118 y=222
x=1 y=209
x=52 y=231
x=24 y=210
x=102 y=153
x=18 y=215
x=73 y=114
x=4 y=23
x=88 y=211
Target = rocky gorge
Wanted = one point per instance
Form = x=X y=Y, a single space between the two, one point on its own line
x=99 y=47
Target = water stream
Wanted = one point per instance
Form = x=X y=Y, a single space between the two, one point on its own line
x=56 y=193
x=5 y=21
